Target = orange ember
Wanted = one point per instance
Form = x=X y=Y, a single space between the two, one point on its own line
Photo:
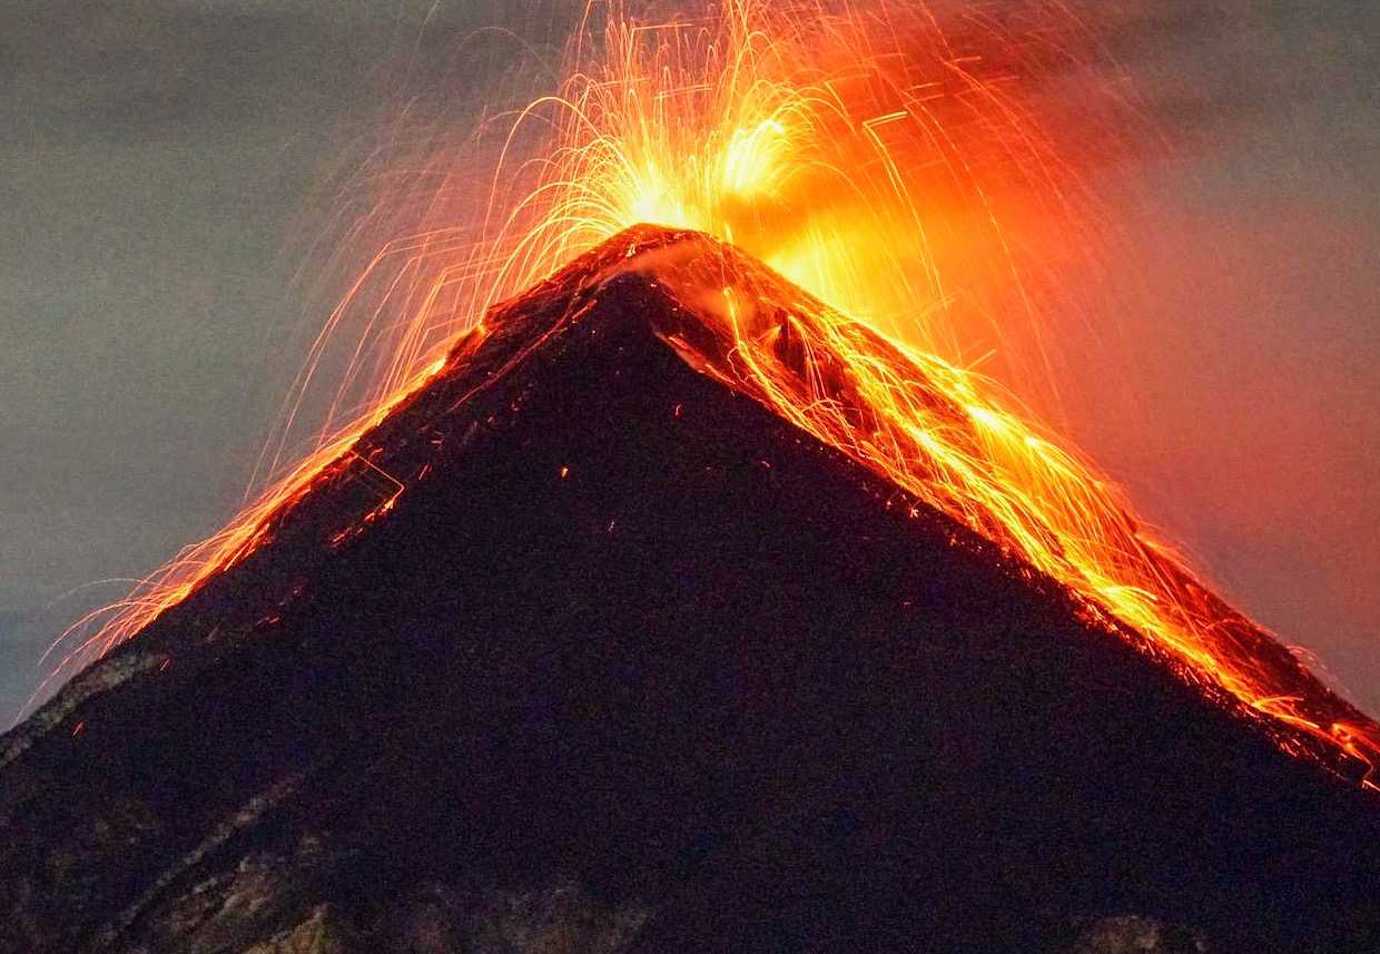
x=889 y=162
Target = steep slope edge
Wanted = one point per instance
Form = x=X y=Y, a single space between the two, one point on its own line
x=633 y=659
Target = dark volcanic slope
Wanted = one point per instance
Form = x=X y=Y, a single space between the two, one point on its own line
x=706 y=691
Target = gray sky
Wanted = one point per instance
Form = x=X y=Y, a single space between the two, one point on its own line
x=164 y=165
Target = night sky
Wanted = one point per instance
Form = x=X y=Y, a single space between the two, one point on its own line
x=168 y=171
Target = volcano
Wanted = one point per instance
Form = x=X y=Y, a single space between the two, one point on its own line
x=580 y=649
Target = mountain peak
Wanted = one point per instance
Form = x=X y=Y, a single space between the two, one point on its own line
x=588 y=638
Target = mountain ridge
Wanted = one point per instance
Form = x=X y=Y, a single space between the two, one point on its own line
x=639 y=664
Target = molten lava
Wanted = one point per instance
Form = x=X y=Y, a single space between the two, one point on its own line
x=891 y=168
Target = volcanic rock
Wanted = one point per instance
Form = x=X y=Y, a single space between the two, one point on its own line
x=634 y=665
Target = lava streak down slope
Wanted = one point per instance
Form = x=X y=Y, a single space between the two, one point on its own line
x=579 y=640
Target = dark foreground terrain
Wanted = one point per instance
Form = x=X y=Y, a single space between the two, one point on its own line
x=633 y=665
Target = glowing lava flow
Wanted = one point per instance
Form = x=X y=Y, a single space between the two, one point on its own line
x=878 y=161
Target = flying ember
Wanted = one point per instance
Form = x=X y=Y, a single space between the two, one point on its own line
x=901 y=167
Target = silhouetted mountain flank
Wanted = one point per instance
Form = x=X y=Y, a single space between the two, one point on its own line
x=634 y=665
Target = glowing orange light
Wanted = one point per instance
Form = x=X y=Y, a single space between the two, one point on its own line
x=875 y=161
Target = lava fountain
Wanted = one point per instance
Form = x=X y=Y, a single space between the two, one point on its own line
x=899 y=163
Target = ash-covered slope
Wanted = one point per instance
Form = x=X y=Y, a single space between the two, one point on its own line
x=633 y=665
